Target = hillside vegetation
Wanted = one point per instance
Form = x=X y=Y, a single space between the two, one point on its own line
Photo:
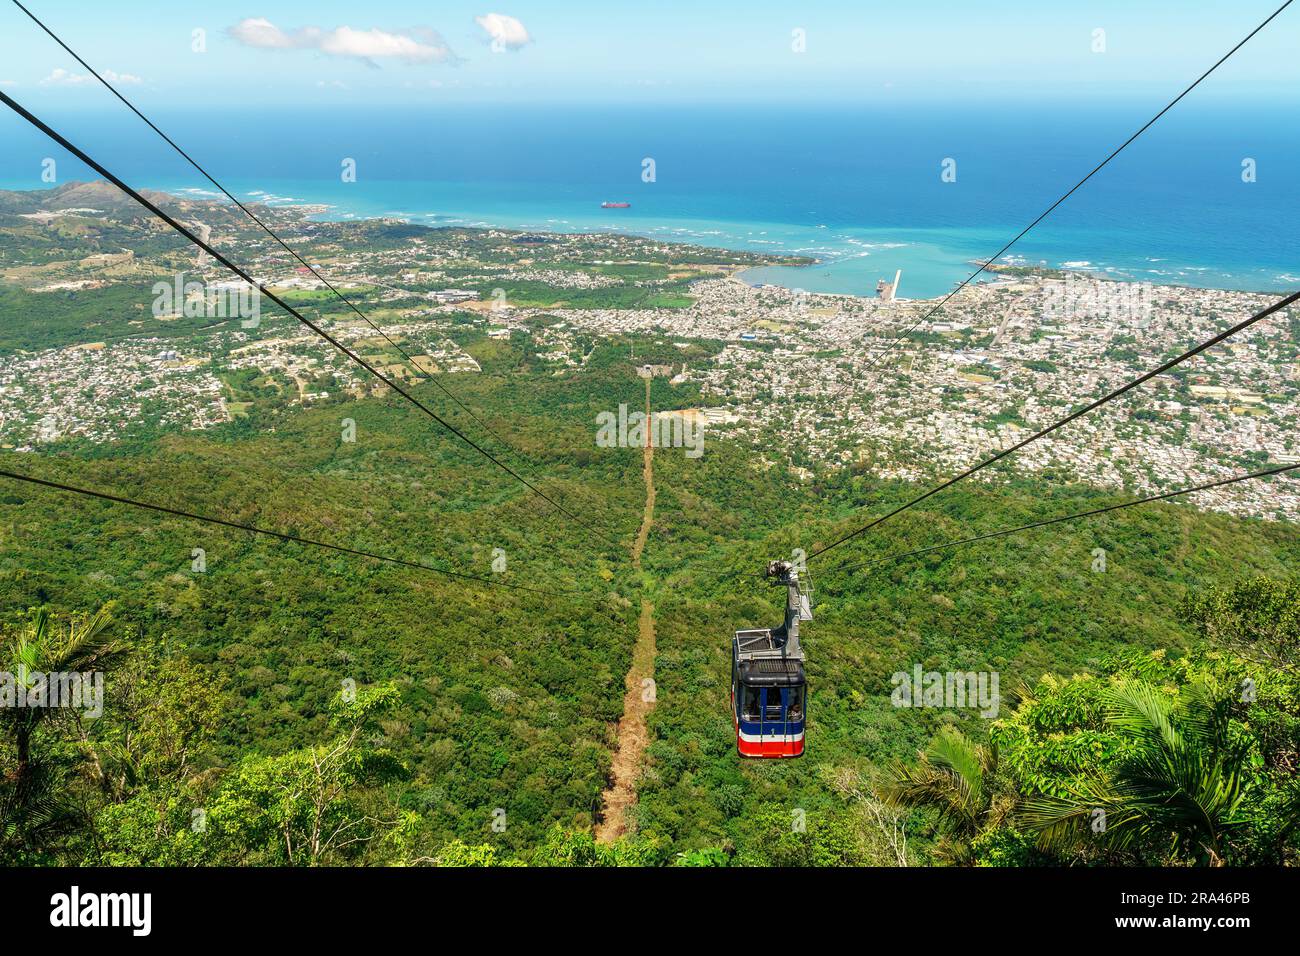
x=289 y=705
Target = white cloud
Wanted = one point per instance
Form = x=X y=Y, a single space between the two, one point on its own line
x=413 y=46
x=260 y=32
x=62 y=77
x=504 y=33
x=128 y=78
x=369 y=44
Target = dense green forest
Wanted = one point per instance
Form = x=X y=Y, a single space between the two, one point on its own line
x=273 y=703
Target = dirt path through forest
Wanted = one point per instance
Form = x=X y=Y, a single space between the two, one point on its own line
x=632 y=734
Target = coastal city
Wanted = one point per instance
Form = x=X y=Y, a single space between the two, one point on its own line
x=837 y=378
x=569 y=437
x=868 y=381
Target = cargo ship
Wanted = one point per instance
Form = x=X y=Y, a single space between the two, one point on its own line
x=615 y=205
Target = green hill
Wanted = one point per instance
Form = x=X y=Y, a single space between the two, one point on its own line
x=500 y=722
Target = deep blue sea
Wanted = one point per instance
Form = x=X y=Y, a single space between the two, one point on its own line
x=859 y=189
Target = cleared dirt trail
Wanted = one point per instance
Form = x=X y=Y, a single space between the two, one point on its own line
x=632 y=734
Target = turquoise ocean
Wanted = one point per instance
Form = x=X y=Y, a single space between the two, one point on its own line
x=858 y=189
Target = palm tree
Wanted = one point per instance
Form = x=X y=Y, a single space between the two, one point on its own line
x=1180 y=780
x=36 y=814
x=958 y=780
x=37 y=649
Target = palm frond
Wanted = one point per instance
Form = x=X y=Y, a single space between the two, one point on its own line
x=1204 y=712
x=951 y=751
x=87 y=647
x=949 y=779
x=1140 y=711
x=1180 y=785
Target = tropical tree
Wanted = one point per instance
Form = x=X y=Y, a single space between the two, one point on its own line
x=1179 y=781
x=713 y=856
x=316 y=805
x=36 y=815
x=1258 y=617
x=36 y=810
x=458 y=853
x=34 y=653
x=882 y=828
x=958 y=780
x=784 y=836
x=166 y=713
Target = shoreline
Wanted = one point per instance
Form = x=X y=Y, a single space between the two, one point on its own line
x=816 y=266
x=736 y=236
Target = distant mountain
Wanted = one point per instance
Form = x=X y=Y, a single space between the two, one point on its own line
x=106 y=199
x=101 y=195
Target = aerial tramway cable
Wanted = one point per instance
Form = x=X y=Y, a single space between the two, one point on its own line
x=253 y=529
x=1079 y=413
x=889 y=559
x=1073 y=189
x=270 y=232
x=985 y=265
x=219 y=257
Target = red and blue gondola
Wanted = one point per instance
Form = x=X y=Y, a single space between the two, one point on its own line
x=768 y=697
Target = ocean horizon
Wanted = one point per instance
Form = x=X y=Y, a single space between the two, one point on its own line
x=858 y=190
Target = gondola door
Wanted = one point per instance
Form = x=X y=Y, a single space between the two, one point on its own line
x=772 y=713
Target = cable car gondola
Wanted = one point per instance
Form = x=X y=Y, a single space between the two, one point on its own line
x=768 y=695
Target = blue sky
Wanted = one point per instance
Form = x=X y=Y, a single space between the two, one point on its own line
x=283 y=52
